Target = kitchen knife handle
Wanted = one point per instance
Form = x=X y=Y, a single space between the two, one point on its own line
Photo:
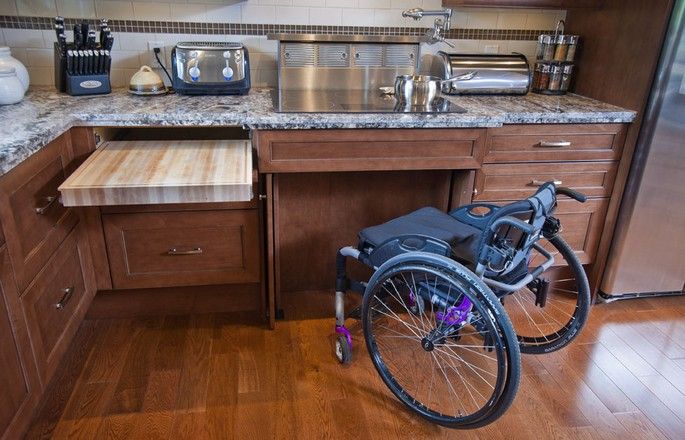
x=70 y=62
x=101 y=63
x=553 y=144
x=108 y=61
x=109 y=42
x=78 y=36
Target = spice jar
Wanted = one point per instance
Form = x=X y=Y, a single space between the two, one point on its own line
x=540 y=48
x=572 y=41
x=566 y=77
x=541 y=77
x=561 y=50
x=548 y=47
x=545 y=48
x=555 y=76
x=536 y=76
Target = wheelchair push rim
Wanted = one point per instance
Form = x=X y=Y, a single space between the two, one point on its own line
x=441 y=343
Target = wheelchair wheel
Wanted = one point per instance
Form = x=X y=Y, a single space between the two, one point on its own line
x=549 y=312
x=455 y=361
x=343 y=350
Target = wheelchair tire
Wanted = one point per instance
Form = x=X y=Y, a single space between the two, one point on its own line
x=554 y=324
x=454 y=368
x=343 y=350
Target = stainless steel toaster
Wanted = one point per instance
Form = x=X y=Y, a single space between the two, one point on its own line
x=495 y=74
x=210 y=68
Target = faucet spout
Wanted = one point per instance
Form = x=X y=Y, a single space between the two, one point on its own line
x=415 y=13
x=440 y=26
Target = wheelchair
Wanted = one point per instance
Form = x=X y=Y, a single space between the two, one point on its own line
x=455 y=298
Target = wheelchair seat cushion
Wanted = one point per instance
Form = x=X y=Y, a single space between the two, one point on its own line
x=431 y=222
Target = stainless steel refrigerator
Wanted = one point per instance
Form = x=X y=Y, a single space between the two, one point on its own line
x=648 y=251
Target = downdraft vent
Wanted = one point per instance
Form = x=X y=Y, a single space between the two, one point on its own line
x=368 y=55
x=400 y=55
x=334 y=55
x=298 y=54
x=346 y=55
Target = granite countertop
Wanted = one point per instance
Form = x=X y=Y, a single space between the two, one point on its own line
x=44 y=114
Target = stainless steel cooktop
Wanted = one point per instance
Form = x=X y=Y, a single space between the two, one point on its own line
x=352 y=101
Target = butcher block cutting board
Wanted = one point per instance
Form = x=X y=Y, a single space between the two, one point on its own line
x=157 y=172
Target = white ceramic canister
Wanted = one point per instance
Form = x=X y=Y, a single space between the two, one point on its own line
x=11 y=89
x=7 y=60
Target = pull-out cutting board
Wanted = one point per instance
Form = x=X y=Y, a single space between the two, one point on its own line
x=154 y=172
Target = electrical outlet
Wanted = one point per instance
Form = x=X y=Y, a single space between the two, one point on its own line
x=491 y=48
x=150 y=59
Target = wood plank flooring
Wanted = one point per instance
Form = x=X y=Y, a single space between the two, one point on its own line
x=221 y=376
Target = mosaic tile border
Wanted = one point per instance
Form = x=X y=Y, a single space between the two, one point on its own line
x=182 y=27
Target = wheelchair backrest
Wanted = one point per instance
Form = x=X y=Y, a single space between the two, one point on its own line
x=533 y=210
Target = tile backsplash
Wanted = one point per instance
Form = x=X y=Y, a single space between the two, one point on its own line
x=31 y=43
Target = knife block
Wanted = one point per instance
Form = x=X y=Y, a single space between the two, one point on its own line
x=77 y=85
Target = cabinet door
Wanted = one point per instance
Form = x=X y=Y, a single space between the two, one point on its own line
x=17 y=379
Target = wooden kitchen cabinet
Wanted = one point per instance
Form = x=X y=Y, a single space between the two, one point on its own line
x=554 y=4
x=368 y=150
x=43 y=250
x=554 y=143
x=516 y=181
x=18 y=378
x=165 y=249
x=324 y=186
x=34 y=221
x=57 y=300
x=584 y=157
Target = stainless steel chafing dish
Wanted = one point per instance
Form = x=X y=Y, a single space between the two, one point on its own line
x=497 y=74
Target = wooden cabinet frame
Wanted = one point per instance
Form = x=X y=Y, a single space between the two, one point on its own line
x=20 y=341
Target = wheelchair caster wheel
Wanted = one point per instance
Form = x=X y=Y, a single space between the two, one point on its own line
x=343 y=350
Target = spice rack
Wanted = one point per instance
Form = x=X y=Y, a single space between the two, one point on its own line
x=554 y=64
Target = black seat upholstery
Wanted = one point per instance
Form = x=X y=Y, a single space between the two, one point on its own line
x=431 y=222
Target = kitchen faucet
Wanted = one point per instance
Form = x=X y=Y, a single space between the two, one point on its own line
x=440 y=26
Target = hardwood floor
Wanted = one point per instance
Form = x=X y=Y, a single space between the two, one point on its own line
x=223 y=376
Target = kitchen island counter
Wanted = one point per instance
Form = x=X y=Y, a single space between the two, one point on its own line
x=44 y=114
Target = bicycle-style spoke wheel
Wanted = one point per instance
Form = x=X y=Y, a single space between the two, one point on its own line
x=549 y=312
x=454 y=359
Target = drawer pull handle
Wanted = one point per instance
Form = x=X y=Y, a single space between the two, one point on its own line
x=542 y=182
x=554 y=144
x=49 y=201
x=194 y=251
x=65 y=298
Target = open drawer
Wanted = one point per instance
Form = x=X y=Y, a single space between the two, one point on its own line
x=162 y=172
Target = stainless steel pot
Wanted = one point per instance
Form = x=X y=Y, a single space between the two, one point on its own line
x=422 y=90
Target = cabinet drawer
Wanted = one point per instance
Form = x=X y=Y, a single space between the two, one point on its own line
x=183 y=248
x=523 y=143
x=367 y=150
x=582 y=225
x=35 y=221
x=518 y=181
x=55 y=303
